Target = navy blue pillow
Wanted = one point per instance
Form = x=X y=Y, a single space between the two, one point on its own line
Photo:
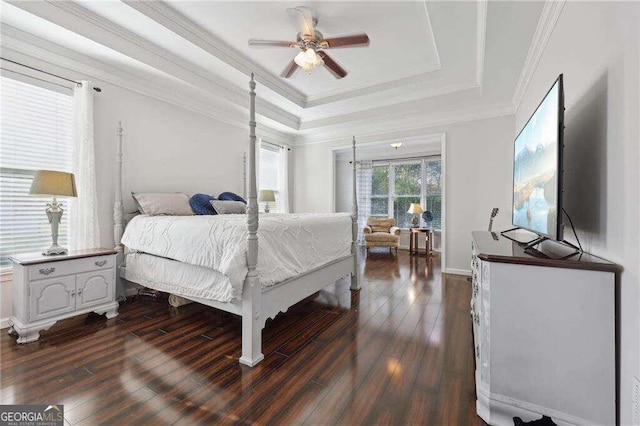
x=230 y=196
x=200 y=204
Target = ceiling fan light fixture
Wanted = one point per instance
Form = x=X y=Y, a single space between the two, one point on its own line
x=310 y=55
x=301 y=59
x=308 y=59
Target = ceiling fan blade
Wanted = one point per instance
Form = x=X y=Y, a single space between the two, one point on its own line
x=333 y=67
x=303 y=19
x=355 y=40
x=290 y=70
x=271 y=43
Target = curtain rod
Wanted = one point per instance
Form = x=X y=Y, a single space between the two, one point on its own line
x=275 y=144
x=421 y=157
x=78 y=83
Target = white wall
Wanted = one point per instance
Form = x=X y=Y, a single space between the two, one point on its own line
x=166 y=148
x=478 y=178
x=596 y=46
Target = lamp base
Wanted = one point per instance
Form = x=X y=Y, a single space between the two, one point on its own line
x=414 y=221
x=54 y=214
x=54 y=249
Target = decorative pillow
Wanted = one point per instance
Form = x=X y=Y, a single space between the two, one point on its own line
x=229 y=207
x=174 y=204
x=230 y=196
x=200 y=204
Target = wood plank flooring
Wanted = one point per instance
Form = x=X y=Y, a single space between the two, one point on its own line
x=398 y=351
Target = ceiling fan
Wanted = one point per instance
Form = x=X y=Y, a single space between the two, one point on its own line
x=312 y=44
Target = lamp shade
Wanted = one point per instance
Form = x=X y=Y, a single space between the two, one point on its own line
x=415 y=208
x=267 y=195
x=51 y=182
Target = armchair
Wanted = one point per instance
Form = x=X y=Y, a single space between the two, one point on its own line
x=382 y=232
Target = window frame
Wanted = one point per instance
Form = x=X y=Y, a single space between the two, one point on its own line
x=274 y=207
x=424 y=193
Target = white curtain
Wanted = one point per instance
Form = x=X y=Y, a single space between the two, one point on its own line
x=84 y=229
x=283 y=179
x=364 y=176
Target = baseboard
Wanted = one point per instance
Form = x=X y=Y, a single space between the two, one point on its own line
x=454 y=271
x=500 y=410
x=4 y=323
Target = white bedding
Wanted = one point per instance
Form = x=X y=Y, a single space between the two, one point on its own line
x=289 y=244
x=179 y=278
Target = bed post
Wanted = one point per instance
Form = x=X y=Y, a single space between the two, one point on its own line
x=244 y=175
x=118 y=216
x=252 y=293
x=355 y=276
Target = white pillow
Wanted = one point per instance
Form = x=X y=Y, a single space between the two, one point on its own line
x=229 y=207
x=172 y=204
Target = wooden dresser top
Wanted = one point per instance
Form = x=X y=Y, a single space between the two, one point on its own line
x=493 y=247
x=38 y=258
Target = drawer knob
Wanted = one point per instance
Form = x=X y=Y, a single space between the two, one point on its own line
x=47 y=271
x=100 y=263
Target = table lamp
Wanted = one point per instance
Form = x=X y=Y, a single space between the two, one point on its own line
x=415 y=209
x=267 y=195
x=58 y=184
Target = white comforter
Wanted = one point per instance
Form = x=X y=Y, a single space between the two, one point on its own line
x=289 y=244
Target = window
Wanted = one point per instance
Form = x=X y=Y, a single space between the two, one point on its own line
x=35 y=133
x=272 y=175
x=395 y=185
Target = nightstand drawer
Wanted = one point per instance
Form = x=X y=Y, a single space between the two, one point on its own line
x=57 y=269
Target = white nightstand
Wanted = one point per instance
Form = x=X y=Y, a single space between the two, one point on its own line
x=47 y=289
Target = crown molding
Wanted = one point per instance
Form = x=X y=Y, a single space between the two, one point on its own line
x=168 y=17
x=32 y=50
x=481 y=37
x=405 y=126
x=100 y=30
x=381 y=104
x=546 y=24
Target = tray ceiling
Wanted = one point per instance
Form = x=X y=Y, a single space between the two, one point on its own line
x=427 y=62
x=402 y=43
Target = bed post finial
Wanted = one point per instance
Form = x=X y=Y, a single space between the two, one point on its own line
x=252 y=291
x=355 y=277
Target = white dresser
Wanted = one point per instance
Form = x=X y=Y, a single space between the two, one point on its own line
x=544 y=335
x=47 y=289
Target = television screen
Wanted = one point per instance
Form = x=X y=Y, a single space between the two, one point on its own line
x=537 y=168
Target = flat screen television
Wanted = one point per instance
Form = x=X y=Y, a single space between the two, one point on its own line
x=537 y=168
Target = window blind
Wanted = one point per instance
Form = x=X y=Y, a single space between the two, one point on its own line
x=36 y=132
x=269 y=157
x=269 y=169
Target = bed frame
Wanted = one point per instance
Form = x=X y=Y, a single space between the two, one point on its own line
x=257 y=304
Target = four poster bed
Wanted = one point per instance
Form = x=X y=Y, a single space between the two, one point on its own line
x=254 y=301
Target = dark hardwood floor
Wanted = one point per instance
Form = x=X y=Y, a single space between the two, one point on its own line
x=397 y=352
